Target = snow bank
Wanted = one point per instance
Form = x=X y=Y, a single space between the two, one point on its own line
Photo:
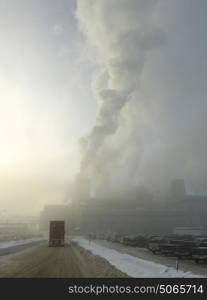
x=9 y=244
x=131 y=265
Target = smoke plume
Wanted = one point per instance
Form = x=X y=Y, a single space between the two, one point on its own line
x=148 y=125
x=122 y=35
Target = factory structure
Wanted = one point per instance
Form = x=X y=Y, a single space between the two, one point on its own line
x=177 y=213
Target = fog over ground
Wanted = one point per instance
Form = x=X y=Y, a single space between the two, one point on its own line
x=100 y=97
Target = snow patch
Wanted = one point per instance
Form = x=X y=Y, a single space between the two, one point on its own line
x=9 y=244
x=131 y=265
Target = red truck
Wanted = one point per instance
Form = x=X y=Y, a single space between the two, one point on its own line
x=57 y=234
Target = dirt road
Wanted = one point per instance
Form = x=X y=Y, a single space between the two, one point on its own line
x=67 y=262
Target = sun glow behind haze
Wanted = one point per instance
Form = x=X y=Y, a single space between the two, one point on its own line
x=127 y=77
x=41 y=104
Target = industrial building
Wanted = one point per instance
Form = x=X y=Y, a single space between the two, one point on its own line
x=179 y=210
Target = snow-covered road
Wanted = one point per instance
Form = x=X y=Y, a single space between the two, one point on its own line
x=131 y=265
x=9 y=244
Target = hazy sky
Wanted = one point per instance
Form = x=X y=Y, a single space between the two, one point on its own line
x=45 y=101
x=129 y=76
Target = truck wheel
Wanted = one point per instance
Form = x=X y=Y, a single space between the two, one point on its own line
x=196 y=261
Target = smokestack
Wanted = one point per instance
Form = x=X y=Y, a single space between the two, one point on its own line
x=178 y=191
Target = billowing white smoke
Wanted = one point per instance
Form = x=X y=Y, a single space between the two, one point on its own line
x=122 y=34
x=151 y=93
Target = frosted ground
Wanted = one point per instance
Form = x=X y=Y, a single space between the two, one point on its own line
x=131 y=265
x=9 y=244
